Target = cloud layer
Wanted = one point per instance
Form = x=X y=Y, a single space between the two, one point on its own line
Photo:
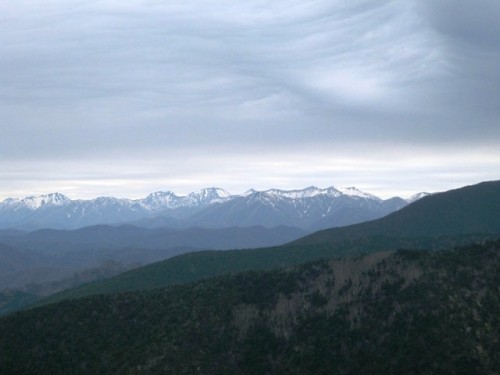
x=144 y=95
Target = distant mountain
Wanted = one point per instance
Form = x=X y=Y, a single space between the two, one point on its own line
x=468 y=210
x=59 y=212
x=310 y=209
x=444 y=220
x=386 y=313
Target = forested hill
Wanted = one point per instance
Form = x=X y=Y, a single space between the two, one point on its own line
x=386 y=313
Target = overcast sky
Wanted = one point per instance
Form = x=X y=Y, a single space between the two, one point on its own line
x=125 y=98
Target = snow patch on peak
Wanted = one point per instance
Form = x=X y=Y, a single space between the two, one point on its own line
x=311 y=191
x=10 y=201
x=168 y=200
x=213 y=192
x=111 y=201
x=416 y=197
x=206 y=196
x=159 y=200
x=161 y=197
x=332 y=191
x=161 y=194
x=354 y=192
x=249 y=192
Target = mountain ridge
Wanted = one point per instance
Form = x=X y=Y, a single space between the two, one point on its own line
x=311 y=209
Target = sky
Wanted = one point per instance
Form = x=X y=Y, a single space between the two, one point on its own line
x=124 y=98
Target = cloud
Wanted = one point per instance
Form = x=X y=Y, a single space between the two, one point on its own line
x=468 y=33
x=383 y=171
x=82 y=80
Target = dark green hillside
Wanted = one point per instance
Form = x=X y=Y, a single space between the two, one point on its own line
x=472 y=209
x=386 y=313
x=427 y=223
x=206 y=264
x=196 y=266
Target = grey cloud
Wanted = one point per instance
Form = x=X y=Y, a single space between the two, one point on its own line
x=80 y=79
x=467 y=22
x=469 y=33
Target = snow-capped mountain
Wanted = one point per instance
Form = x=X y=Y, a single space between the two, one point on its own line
x=160 y=201
x=35 y=203
x=310 y=208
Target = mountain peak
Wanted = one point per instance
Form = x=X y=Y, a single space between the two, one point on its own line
x=249 y=192
x=210 y=194
x=221 y=193
x=159 y=200
x=160 y=194
x=52 y=199
x=355 y=192
x=310 y=191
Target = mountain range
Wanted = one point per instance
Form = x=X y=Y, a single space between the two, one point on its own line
x=439 y=221
x=309 y=209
